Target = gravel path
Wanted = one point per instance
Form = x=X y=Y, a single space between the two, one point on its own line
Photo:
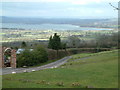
x=50 y=65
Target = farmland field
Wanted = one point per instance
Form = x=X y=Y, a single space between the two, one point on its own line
x=43 y=35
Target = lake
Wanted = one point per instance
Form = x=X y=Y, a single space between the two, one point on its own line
x=47 y=27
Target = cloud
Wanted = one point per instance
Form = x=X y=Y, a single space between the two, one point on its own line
x=109 y=0
x=84 y=2
x=59 y=8
x=1 y=12
x=67 y=1
x=99 y=11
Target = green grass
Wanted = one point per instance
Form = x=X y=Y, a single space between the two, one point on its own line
x=0 y=82
x=99 y=71
x=82 y=55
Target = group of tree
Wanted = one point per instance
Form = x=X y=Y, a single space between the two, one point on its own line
x=31 y=58
x=108 y=40
x=55 y=43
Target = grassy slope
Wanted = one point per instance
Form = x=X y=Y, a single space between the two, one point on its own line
x=100 y=71
x=0 y=81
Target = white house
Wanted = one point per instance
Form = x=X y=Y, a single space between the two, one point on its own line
x=21 y=50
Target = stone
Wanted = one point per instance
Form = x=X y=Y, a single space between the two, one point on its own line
x=55 y=67
x=33 y=70
x=13 y=72
x=24 y=71
x=24 y=66
x=60 y=84
x=89 y=87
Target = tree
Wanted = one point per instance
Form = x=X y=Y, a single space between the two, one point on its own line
x=74 y=41
x=40 y=54
x=55 y=42
x=23 y=45
x=114 y=7
x=25 y=59
x=63 y=46
x=50 y=42
x=31 y=58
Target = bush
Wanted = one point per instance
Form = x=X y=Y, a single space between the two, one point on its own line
x=24 y=59
x=31 y=58
x=40 y=54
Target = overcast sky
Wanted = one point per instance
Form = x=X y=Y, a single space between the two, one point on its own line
x=59 y=8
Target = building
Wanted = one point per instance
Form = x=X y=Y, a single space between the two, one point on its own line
x=21 y=50
x=8 y=57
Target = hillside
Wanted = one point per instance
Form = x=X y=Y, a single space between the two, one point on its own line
x=98 y=70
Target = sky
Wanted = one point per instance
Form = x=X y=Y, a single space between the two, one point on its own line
x=59 y=8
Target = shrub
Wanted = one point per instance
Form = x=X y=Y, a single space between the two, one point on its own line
x=31 y=58
x=40 y=54
x=24 y=58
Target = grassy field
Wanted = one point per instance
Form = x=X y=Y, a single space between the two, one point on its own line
x=100 y=70
x=0 y=81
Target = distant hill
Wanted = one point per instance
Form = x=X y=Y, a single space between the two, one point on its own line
x=79 y=22
x=50 y=20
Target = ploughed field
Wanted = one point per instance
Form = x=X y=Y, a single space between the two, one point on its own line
x=96 y=70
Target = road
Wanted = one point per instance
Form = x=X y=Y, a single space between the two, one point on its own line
x=50 y=65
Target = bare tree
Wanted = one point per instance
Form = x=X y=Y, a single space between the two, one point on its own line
x=114 y=7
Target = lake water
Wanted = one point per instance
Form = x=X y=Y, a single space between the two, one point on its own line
x=46 y=27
